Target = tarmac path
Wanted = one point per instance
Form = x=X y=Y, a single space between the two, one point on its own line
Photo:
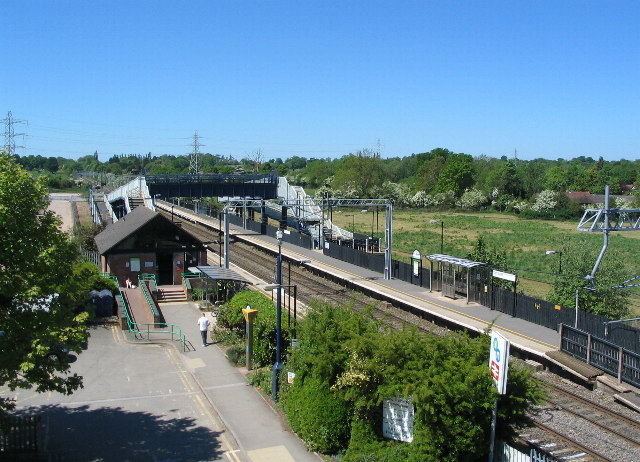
x=138 y=404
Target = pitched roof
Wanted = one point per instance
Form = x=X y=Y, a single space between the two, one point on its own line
x=116 y=232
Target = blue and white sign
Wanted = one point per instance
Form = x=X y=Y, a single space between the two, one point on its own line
x=499 y=361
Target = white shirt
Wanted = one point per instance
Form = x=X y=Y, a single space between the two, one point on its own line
x=203 y=323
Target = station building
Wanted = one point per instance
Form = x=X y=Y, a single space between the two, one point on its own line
x=144 y=241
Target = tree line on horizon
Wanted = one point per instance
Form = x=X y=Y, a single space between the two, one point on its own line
x=439 y=178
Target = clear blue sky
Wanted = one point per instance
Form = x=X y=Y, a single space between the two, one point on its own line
x=323 y=78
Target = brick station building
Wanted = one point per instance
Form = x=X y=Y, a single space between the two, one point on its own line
x=143 y=241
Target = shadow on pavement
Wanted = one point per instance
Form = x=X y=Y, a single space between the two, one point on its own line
x=116 y=435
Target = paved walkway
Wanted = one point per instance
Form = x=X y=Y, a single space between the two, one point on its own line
x=258 y=432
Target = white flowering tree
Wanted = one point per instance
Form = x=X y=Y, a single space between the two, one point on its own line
x=546 y=200
x=472 y=199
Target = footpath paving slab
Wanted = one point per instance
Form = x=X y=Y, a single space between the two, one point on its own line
x=152 y=402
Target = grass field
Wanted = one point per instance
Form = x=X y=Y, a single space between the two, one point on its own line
x=524 y=241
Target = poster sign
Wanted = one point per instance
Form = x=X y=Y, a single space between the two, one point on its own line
x=290 y=377
x=415 y=262
x=499 y=361
x=397 y=419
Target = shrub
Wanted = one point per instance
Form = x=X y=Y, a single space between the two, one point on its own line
x=546 y=200
x=230 y=315
x=320 y=417
x=472 y=199
x=261 y=378
x=236 y=355
x=264 y=327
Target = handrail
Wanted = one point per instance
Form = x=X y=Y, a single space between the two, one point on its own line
x=133 y=326
x=147 y=295
x=147 y=277
x=109 y=276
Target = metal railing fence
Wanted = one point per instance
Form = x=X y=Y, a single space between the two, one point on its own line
x=176 y=332
x=603 y=354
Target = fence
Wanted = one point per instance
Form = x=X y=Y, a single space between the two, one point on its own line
x=19 y=435
x=603 y=354
x=479 y=289
x=91 y=256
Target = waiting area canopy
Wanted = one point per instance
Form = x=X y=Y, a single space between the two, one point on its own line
x=462 y=262
x=450 y=279
x=218 y=273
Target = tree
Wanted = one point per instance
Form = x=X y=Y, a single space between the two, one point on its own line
x=506 y=179
x=457 y=174
x=360 y=173
x=41 y=293
x=579 y=259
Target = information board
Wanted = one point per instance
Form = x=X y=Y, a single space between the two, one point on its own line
x=397 y=419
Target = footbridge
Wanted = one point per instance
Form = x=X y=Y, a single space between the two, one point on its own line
x=270 y=193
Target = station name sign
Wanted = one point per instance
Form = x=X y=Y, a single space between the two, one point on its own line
x=501 y=275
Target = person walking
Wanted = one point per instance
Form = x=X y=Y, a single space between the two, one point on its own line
x=203 y=323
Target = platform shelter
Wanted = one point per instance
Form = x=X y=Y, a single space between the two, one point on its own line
x=454 y=274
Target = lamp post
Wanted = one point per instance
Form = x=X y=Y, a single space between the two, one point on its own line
x=277 y=366
x=553 y=252
x=433 y=222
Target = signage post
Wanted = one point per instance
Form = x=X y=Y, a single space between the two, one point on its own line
x=498 y=365
x=416 y=265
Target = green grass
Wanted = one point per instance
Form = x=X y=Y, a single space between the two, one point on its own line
x=524 y=241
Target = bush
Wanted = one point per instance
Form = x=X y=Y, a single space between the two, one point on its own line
x=261 y=379
x=230 y=315
x=347 y=364
x=320 y=417
x=237 y=354
x=264 y=327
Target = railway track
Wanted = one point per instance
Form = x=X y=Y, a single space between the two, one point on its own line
x=621 y=444
x=559 y=446
x=310 y=286
x=604 y=418
x=598 y=430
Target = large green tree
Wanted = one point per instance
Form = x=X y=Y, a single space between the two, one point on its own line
x=457 y=174
x=359 y=174
x=600 y=298
x=42 y=288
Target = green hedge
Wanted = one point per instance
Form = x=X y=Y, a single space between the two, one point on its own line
x=347 y=364
x=320 y=417
x=264 y=327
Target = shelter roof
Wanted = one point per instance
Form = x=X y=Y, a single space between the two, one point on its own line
x=218 y=273
x=463 y=262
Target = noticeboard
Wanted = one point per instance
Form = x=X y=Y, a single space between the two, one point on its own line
x=397 y=419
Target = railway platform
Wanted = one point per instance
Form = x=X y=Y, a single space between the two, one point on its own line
x=529 y=340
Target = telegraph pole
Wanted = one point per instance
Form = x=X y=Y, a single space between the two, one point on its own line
x=10 y=134
x=194 y=157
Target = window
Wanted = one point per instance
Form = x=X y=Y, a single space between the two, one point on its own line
x=135 y=265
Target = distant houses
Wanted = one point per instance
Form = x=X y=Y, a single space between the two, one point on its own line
x=586 y=198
